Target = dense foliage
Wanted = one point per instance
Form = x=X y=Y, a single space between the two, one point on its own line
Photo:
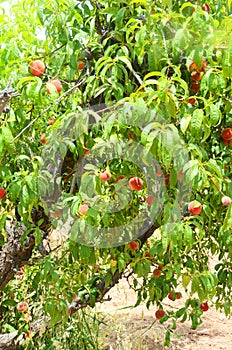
x=146 y=93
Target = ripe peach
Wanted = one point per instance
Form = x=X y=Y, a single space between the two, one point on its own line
x=194 y=67
x=104 y=176
x=51 y=121
x=194 y=207
x=205 y=7
x=159 y=314
x=37 y=68
x=174 y=296
x=150 y=199
x=83 y=209
x=167 y=179
x=226 y=200
x=192 y=100
x=22 y=306
x=197 y=76
x=195 y=87
x=135 y=183
x=148 y=256
x=81 y=65
x=158 y=173
x=2 y=193
x=227 y=134
x=43 y=138
x=204 y=306
x=134 y=245
x=157 y=273
x=53 y=83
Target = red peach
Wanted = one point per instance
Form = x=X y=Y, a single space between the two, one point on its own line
x=53 y=83
x=2 y=193
x=22 y=306
x=148 y=256
x=197 y=76
x=194 y=207
x=134 y=245
x=205 y=7
x=51 y=121
x=157 y=273
x=37 y=68
x=167 y=179
x=192 y=100
x=135 y=183
x=159 y=314
x=83 y=209
x=150 y=199
x=227 y=134
x=194 y=86
x=204 y=306
x=104 y=176
x=81 y=65
x=226 y=200
x=43 y=139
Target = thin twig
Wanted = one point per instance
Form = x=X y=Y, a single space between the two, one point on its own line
x=137 y=76
x=50 y=106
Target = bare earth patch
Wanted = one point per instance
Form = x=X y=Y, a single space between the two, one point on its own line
x=129 y=328
x=136 y=328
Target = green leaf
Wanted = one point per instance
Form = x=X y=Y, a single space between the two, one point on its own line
x=181 y=312
x=26 y=80
x=227 y=224
x=196 y=122
x=185 y=281
x=7 y=136
x=215 y=115
x=125 y=60
x=188 y=238
x=119 y=18
x=184 y=123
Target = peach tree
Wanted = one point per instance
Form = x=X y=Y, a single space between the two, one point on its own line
x=115 y=140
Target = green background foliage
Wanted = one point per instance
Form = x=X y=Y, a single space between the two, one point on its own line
x=135 y=52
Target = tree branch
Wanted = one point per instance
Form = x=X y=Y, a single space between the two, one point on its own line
x=81 y=301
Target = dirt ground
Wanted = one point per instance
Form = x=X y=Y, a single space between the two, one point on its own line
x=129 y=328
x=137 y=328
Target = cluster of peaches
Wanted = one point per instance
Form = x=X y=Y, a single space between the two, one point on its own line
x=197 y=73
x=136 y=184
x=37 y=68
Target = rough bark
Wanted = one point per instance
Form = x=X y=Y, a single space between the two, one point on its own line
x=13 y=254
x=8 y=341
